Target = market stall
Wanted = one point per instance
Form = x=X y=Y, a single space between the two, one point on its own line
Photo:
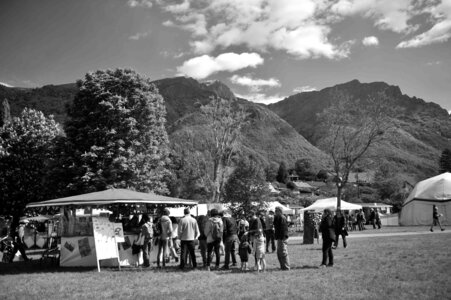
x=91 y=236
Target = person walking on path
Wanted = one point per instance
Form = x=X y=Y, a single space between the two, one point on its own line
x=377 y=217
x=436 y=218
x=269 y=231
x=339 y=223
x=230 y=239
x=188 y=231
x=165 y=228
x=146 y=234
x=281 y=236
x=214 y=232
x=328 y=232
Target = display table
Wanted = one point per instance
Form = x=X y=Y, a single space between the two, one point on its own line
x=79 y=251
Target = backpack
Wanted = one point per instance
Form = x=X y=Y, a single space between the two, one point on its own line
x=216 y=231
x=157 y=229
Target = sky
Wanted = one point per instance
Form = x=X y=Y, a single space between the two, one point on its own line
x=264 y=50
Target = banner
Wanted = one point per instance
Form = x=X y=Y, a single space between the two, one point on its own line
x=119 y=232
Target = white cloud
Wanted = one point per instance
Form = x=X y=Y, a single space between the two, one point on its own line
x=203 y=66
x=291 y=26
x=434 y=63
x=306 y=88
x=370 y=41
x=439 y=33
x=5 y=84
x=138 y=36
x=261 y=98
x=254 y=84
x=140 y=3
x=387 y=14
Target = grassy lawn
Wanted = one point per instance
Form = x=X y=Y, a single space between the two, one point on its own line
x=395 y=267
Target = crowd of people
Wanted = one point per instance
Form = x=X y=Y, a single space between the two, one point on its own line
x=215 y=235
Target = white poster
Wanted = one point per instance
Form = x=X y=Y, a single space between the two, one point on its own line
x=104 y=238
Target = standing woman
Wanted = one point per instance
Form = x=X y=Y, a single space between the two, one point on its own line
x=436 y=218
x=328 y=232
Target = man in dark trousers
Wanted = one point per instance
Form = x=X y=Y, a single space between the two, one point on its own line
x=188 y=231
x=269 y=231
x=230 y=239
x=281 y=236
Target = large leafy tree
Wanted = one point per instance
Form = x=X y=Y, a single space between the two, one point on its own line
x=26 y=151
x=246 y=188
x=351 y=127
x=226 y=118
x=445 y=161
x=116 y=130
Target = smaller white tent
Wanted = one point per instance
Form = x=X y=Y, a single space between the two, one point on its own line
x=331 y=203
x=285 y=210
x=417 y=208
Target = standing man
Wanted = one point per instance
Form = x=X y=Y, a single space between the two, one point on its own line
x=328 y=232
x=281 y=235
x=230 y=239
x=165 y=227
x=147 y=234
x=188 y=231
x=201 y=223
x=269 y=231
x=214 y=231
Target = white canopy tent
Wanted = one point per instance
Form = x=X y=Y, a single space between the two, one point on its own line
x=285 y=209
x=417 y=208
x=80 y=249
x=331 y=203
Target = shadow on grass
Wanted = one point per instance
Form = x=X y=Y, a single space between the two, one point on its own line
x=23 y=267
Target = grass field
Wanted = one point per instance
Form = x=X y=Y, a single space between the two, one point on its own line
x=389 y=267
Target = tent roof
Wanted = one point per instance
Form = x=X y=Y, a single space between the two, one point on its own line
x=112 y=196
x=437 y=188
x=331 y=203
x=285 y=210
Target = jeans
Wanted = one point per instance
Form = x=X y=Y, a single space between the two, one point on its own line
x=282 y=254
x=343 y=236
x=327 y=252
x=203 y=251
x=146 y=252
x=210 y=246
x=187 y=248
x=270 y=239
x=162 y=251
x=230 y=247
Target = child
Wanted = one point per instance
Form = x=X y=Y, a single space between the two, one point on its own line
x=244 y=250
x=260 y=251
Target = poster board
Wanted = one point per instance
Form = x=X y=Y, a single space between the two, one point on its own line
x=104 y=239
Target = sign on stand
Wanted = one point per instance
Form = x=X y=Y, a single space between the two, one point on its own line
x=105 y=239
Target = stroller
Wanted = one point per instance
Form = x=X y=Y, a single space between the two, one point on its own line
x=7 y=248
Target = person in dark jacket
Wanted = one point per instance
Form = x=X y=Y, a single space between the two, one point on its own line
x=201 y=222
x=339 y=222
x=230 y=237
x=281 y=236
x=328 y=232
x=436 y=218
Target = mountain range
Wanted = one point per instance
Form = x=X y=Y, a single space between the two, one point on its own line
x=283 y=131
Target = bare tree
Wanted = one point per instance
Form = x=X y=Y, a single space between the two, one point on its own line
x=226 y=118
x=351 y=128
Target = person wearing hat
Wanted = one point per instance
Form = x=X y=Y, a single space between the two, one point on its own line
x=165 y=235
x=19 y=243
x=328 y=232
x=281 y=236
x=188 y=231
